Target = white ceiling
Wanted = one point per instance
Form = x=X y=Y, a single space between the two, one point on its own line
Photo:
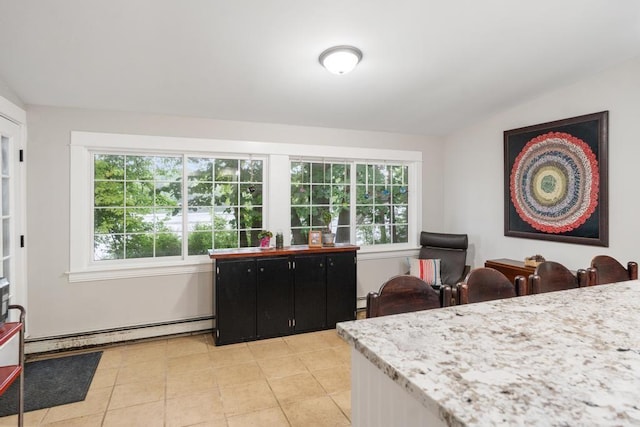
x=429 y=66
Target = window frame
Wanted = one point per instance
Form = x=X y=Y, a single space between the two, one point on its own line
x=276 y=202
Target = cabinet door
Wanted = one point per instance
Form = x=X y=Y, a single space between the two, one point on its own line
x=275 y=297
x=310 y=293
x=341 y=287
x=235 y=300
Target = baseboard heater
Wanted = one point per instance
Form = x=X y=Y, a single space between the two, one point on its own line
x=117 y=335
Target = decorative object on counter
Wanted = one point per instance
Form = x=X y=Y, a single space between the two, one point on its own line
x=265 y=238
x=556 y=181
x=315 y=239
x=328 y=237
x=279 y=240
x=534 y=260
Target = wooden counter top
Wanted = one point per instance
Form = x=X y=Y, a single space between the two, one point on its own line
x=255 y=252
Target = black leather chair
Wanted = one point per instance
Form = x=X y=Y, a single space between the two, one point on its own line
x=451 y=249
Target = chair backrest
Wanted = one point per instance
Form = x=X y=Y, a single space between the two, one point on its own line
x=451 y=249
x=605 y=269
x=404 y=293
x=485 y=284
x=551 y=276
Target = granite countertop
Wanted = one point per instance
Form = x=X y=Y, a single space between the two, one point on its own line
x=555 y=359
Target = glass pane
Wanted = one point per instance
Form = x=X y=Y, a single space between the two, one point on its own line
x=400 y=195
x=383 y=195
x=168 y=220
x=343 y=216
x=6 y=237
x=382 y=234
x=364 y=235
x=168 y=193
x=139 y=193
x=400 y=234
x=107 y=166
x=226 y=195
x=343 y=235
x=300 y=194
x=300 y=172
x=364 y=215
x=380 y=174
x=251 y=194
x=199 y=169
x=139 y=168
x=108 y=246
x=139 y=220
x=251 y=171
x=249 y=238
x=108 y=193
x=300 y=216
x=200 y=220
x=364 y=195
x=383 y=215
x=340 y=195
x=200 y=242
x=139 y=246
x=6 y=192
x=225 y=239
x=340 y=174
x=320 y=173
x=168 y=244
x=168 y=168
x=5 y=159
x=225 y=218
x=109 y=220
x=226 y=170
x=400 y=215
x=399 y=175
x=251 y=217
x=200 y=194
x=300 y=236
x=320 y=194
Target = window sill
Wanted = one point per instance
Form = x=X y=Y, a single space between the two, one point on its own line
x=388 y=251
x=140 y=270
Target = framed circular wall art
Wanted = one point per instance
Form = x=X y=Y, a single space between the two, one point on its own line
x=555 y=179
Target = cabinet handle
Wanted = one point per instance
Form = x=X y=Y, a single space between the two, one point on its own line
x=321 y=265
x=248 y=270
x=261 y=269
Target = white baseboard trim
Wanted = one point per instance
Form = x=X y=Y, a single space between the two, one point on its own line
x=113 y=336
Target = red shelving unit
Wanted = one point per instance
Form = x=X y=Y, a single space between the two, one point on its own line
x=8 y=374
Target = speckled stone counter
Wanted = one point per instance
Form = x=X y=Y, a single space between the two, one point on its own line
x=557 y=359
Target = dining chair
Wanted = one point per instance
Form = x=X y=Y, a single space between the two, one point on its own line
x=485 y=284
x=552 y=276
x=405 y=293
x=605 y=269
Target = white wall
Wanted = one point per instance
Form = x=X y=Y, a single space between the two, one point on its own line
x=474 y=195
x=58 y=307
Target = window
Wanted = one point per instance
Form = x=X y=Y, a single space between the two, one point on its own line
x=149 y=205
x=225 y=203
x=320 y=199
x=138 y=205
x=382 y=204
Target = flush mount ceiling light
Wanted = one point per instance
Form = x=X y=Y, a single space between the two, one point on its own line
x=340 y=59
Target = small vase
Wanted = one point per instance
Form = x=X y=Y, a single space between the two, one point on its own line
x=264 y=242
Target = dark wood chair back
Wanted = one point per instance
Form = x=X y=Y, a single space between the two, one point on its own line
x=605 y=269
x=404 y=293
x=485 y=284
x=551 y=276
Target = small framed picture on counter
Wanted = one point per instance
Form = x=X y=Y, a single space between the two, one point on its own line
x=315 y=239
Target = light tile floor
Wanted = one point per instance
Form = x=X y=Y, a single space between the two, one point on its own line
x=298 y=380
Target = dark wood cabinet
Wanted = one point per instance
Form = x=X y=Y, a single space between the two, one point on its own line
x=236 y=303
x=310 y=293
x=274 y=293
x=274 y=297
x=341 y=288
x=510 y=267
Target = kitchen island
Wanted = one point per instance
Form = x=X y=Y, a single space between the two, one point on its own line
x=556 y=359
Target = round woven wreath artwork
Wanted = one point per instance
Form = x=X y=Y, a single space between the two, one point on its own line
x=554 y=182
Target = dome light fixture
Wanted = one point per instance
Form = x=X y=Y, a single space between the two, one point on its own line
x=340 y=59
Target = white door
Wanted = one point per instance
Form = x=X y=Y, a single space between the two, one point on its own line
x=12 y=202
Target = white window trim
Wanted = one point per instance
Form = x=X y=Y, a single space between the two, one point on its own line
x=276 y=205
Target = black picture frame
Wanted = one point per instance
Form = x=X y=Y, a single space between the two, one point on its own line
x=551 y=191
